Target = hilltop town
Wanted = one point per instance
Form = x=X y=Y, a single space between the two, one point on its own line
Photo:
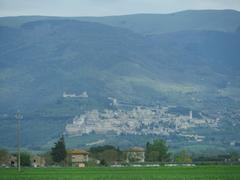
x=139 y=121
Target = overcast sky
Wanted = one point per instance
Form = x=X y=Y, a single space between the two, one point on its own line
x=107 y=7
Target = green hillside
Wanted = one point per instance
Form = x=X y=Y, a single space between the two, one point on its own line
x=190 y=65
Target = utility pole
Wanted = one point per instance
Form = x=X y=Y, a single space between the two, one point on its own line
x=18 y=116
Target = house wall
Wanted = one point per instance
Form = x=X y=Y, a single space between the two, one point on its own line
x=79 y=158
x=135 y=156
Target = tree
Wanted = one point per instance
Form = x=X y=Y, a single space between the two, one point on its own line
x=59 y=152
x=25 y=159
x=157 y=151
x=183 y=157
x=234 y=156
x=4 y=156
x=107 y=153
x=153 y=156
x=103 y=162
x=48 y=158
x=110 y=156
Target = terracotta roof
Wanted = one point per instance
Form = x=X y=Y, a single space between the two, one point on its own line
x=136 y=149
x=77 y=151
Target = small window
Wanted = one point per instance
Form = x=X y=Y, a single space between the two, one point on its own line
x=12 y=163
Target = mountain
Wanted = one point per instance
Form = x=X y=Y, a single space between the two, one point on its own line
x=46 y=65
x=215 y=20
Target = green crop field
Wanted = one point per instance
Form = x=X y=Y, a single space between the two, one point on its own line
x=161 y=173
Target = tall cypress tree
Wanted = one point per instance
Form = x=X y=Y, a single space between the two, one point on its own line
x=59 y=152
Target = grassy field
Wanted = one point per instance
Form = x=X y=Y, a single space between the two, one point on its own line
x=161 y=173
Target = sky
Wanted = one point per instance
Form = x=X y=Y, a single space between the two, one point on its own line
x=107 y=7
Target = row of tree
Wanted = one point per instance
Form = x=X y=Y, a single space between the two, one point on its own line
x=156 y=152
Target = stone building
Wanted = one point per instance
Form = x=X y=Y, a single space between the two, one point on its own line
x=37 y=161
x=77 y=158
x=12 y=161
x=135 y=155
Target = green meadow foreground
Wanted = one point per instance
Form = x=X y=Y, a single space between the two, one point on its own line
x=126 y=173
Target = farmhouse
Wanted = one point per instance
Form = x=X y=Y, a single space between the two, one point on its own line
x=135 y=154
x=37 y=161
x=12 y=161
x=77 y=157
